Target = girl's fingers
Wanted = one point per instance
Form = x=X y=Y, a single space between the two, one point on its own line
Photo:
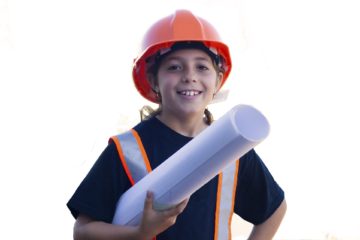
x=148 y=201
x=183 y=204
x=176 y=210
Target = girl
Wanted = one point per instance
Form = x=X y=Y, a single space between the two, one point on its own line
x=182 y=67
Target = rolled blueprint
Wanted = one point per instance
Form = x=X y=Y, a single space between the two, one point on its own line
x=197 y=162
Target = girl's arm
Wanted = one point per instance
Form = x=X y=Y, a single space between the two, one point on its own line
x=87 y=228
x=267 y=229
x=153 y=222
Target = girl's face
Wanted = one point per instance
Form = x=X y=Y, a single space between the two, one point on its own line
x=187 y=81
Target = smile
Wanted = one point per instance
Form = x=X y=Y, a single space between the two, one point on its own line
x=189 y=92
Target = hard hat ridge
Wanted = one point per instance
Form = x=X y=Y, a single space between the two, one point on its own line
x=185 y=18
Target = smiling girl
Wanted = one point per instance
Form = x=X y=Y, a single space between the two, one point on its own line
x=182 y=67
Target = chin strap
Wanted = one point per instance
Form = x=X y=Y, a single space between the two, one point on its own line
x=220 y=96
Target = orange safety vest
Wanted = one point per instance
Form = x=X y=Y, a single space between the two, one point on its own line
x=136 y=164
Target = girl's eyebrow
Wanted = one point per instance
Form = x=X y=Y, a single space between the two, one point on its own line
x=181 y=58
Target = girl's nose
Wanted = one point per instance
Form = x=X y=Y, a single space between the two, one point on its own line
x=189 y=76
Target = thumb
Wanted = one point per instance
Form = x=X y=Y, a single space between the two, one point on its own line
x=148 y=201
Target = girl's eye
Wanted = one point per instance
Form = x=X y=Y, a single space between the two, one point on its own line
x=202 y=67
x=174 y=67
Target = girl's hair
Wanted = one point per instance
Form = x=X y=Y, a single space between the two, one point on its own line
x=147 y=112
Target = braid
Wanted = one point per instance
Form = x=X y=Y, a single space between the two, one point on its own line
x=147 y=112
x=208 y=117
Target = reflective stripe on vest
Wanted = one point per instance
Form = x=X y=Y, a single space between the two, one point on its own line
x=132 y=155
x=136 y=165
x=225 y=201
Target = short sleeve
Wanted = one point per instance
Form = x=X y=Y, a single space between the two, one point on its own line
x=257 y=193
x=98 y=193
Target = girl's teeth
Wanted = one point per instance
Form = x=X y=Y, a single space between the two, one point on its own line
x=189 y=93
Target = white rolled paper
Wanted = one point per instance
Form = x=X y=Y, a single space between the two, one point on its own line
x=197 y=162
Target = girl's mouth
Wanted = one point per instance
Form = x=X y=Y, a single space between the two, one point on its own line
x=189 y=92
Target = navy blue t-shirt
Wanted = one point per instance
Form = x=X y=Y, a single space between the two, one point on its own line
x=257 y=193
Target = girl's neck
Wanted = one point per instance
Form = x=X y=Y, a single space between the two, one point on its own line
x=189 y=126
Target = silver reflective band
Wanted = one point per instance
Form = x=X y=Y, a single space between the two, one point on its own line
x=226 y=202
x=132 y=154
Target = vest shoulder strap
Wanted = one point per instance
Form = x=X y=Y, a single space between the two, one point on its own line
x=132 y=155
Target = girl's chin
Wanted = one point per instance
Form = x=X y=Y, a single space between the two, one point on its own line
x=189 y=112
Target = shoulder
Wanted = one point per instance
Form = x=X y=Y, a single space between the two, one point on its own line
x=107 y=161
x=249 y=161
x=148 y=127
x=144 y=129
x=253 y=170
x=258 y=194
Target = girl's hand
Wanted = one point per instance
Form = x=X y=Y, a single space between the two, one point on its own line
x=154 y=222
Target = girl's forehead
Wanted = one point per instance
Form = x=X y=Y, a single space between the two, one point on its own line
x=188 y=54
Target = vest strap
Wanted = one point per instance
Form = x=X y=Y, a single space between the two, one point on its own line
x=132 y=155
x=225 y=201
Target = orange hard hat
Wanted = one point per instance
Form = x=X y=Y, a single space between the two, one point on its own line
x=182 y=26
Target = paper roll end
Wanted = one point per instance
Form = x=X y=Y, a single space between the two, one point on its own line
x=251 y=123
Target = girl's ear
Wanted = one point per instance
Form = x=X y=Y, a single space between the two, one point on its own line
x=153 y=83
x=218 y=81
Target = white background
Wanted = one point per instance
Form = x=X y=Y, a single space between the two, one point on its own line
x=65 y=87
